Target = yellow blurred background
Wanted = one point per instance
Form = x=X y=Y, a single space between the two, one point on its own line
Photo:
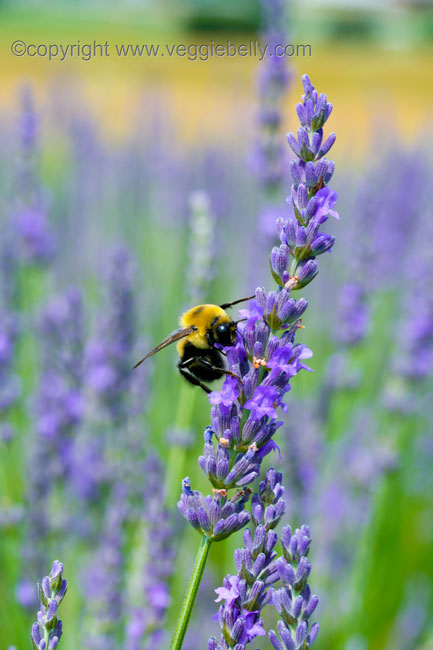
x=371 y=63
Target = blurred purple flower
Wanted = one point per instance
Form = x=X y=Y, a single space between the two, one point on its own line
x=268 y=157
x=412 y=358
x=29 y=221
x=28 y=121
x=109 y=356
x=146 y=615
x=7 y=432
x=353 y=314
x=59 y=403
x=58 y=407
x=36 y=238
x=116 y=394
x=103 y=579
x=303 y=453
x=10 y=385
x=345 y=491
x=26 y=593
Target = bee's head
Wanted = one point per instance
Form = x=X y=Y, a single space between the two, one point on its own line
x=225 y=333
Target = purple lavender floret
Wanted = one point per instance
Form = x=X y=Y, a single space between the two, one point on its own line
x=216 y=517
x=46 y=632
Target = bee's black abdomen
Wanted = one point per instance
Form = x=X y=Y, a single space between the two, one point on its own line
x=197 y=368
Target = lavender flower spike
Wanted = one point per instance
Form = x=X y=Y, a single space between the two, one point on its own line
x=246 y=594
x=294 y=601
x=47 y=631
x=244 y=413
x=216 y=517
x=294 y=263
x=260 y=572
x=265 y=356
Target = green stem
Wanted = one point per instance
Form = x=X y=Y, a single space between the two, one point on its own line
x=191 y=594
x=177 y=453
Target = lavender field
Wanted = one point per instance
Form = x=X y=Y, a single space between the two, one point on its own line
x=126 y=200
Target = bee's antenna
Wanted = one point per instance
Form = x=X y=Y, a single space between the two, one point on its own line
x=226 y=305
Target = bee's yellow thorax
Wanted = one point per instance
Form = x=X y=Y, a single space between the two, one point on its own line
x=203 y=317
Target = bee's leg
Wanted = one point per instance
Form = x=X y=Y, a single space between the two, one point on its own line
x=223 y=371
x=226 y=305
x=183 y=369
x=193 y=380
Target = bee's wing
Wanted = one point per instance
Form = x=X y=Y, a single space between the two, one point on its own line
x=174 y=336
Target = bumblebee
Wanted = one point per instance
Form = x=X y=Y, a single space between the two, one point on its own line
x=202 y=329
